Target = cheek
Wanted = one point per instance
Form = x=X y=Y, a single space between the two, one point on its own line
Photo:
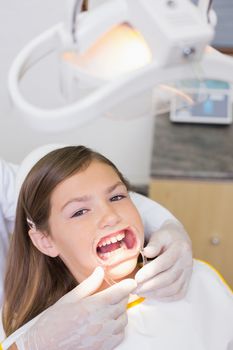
x=135 y=216
x=77 y=255
x=134 y=219
x=67 y=240
x=75 y=243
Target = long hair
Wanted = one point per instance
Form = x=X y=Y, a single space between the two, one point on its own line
x=35 y=281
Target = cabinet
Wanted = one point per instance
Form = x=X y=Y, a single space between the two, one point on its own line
x=192 y=176
x=206 y=210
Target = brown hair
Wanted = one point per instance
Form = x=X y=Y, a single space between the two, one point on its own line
x=35 y=281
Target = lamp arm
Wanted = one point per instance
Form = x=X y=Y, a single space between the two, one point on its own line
x=37 y=49
x=205 y=7
x=73 y=9
x=107 y=96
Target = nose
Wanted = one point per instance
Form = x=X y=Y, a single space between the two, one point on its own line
x=109 y=217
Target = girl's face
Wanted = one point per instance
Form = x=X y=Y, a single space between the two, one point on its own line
x=94 y=222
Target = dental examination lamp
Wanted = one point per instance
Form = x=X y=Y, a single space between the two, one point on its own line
x=113 y=56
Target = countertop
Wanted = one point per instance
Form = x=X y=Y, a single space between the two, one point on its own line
x=192 y=150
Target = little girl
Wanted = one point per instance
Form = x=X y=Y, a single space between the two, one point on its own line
x=74 y=213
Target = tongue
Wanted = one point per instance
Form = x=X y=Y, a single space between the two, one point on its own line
x=109 y=247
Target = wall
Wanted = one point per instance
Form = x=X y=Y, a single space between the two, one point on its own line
x=20 y=21
x=126 y=143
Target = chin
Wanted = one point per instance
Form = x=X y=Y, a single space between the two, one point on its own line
x=122 y=270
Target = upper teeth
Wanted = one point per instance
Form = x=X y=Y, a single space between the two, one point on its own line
x=112 y=239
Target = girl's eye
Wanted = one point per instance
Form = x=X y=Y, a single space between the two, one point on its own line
x=117 y=197
x=79 y=213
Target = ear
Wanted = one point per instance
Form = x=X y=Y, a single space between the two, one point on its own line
x=43 y=243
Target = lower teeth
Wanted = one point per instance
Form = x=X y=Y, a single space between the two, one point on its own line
x=107 y=255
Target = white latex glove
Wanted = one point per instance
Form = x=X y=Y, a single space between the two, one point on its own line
x=166 y=277
x=80 y=320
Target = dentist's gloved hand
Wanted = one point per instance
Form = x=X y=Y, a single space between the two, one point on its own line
x=80 y=320
x=166 y=277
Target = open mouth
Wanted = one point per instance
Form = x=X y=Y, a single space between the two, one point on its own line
x=116 y=244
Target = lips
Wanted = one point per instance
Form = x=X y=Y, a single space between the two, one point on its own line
x=118 y=246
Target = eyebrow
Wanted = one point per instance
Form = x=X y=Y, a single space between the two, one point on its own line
x=86 y=198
